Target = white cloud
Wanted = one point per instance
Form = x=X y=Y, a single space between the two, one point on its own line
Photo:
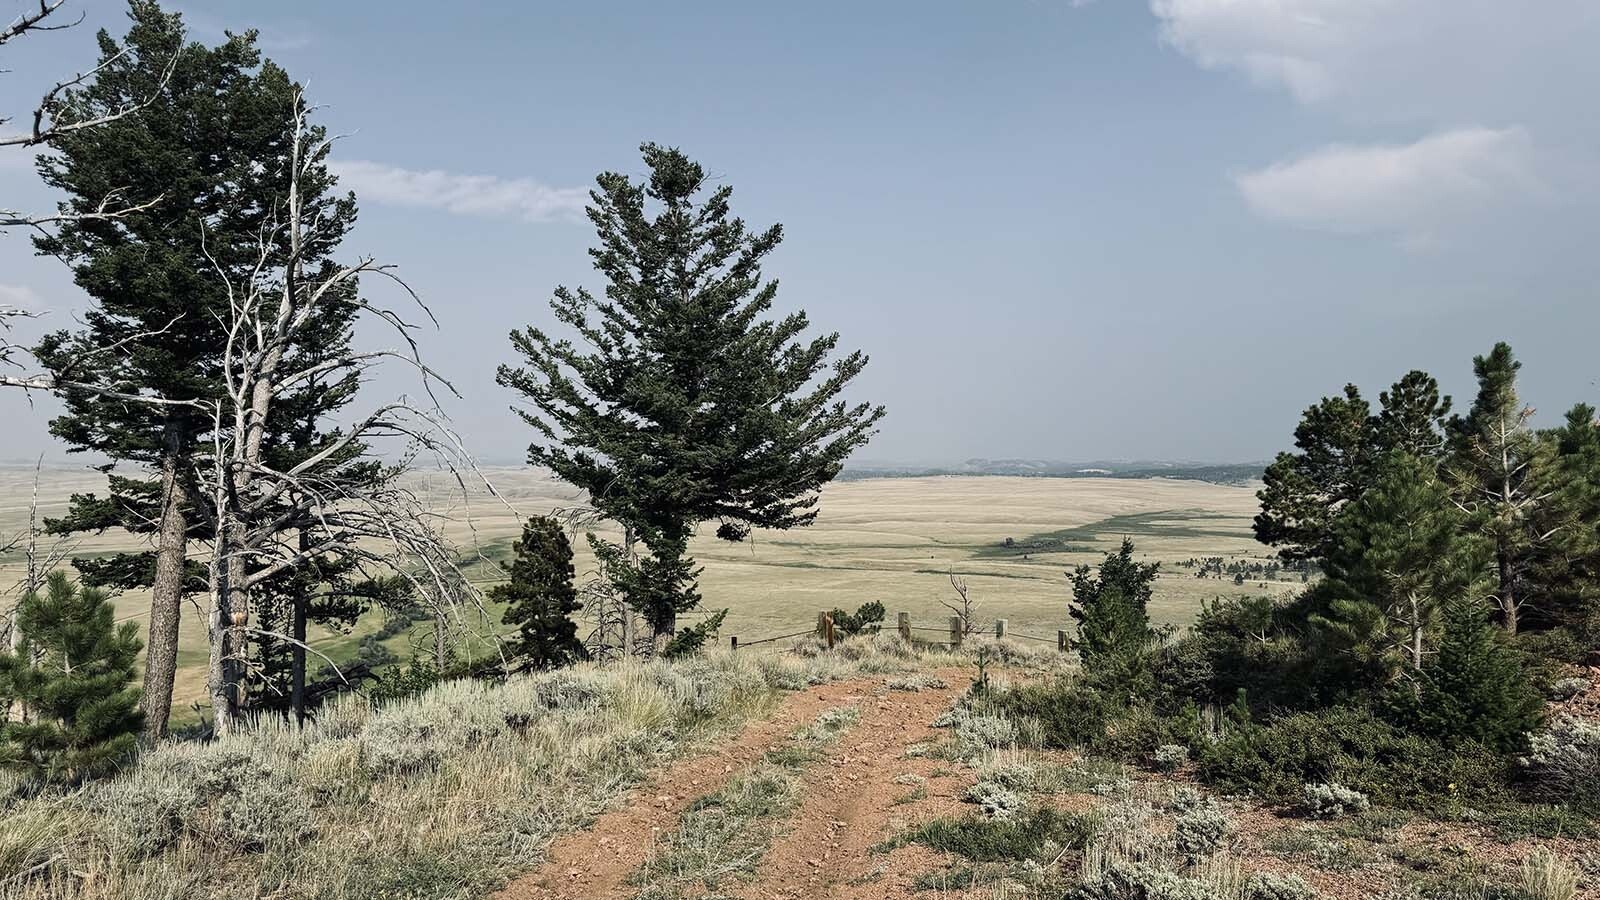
x=1436 y=60
x=20 y=296
x=1297 y=44
x=474 y=195
x=1413 y=191
x=1407 y=68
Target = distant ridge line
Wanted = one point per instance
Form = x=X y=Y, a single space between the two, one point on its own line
x=1214 y=473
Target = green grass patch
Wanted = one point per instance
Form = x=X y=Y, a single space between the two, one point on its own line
x=1085 y=538
x=1001 y=840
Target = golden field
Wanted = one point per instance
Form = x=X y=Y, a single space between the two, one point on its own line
x=891 y=540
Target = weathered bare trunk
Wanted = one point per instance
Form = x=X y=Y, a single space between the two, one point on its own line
x=166 y=593
x=438 y=636
x=218 y=627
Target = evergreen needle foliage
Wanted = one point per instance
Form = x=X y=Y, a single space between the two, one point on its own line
x=1475 y=687
x=540 y=597
x=72 y=677
x=1111 y=609
x=683 y=403
x=1400 y=553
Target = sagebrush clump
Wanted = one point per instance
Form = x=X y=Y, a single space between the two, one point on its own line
x=1332 y=801
x=366 y=801
x=1201 y=830
x=1272 y=886
x=1563 y=762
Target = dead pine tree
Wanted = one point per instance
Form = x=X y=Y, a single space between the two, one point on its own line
x=328 y=505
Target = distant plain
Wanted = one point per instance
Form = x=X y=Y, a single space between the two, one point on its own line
x=894 y=540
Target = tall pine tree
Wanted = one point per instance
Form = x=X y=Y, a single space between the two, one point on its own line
x=1337 y=444
x=73 y=676
x=204 y=152
x=1564 y=572
x=683 y=403
x=1498 y=470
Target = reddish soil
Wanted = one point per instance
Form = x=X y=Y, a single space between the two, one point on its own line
x=866 y=789
x=848 y=787
x=852 y=801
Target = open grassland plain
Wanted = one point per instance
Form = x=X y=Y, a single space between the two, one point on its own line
x=896 y=541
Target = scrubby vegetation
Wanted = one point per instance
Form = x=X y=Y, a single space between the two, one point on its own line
x=445 y=793
x=1405 y=676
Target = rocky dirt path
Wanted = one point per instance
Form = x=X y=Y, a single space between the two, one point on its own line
x=860 y=796
x=850 y=791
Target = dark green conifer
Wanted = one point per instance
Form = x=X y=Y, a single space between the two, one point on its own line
x=1111 y=607
x=1496 y=467
x=73 y=679
x=1338 y=443
x=202 y=162
x=683 y=402
x=540 y=597
x=1475 y=687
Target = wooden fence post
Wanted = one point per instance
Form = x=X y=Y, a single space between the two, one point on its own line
x=999 y=628
x=1061 y=641
x=733 y=642
x=905 y=627
x=825 y=627
x=955 y=631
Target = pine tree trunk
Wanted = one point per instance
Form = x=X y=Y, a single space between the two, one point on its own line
x=166 y=593
x=1508 y=596
x=217 y=665
x=666 y=628
x=438 y=636
x=297 y=662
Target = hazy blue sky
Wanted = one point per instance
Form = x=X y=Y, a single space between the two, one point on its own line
x=1068 y=230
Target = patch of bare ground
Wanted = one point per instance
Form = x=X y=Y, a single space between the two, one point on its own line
x=594 y=864
x=865 y=790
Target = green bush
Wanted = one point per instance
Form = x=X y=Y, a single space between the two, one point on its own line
x=1351 y=746
x=1068 y=716
x=867 y=617
x=1267 y=650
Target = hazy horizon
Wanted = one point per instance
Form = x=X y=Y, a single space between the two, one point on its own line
x=1063 y=231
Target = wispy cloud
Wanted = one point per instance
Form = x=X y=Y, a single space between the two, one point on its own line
x=1412 y=191
x=471 y=195
x=20 y=296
